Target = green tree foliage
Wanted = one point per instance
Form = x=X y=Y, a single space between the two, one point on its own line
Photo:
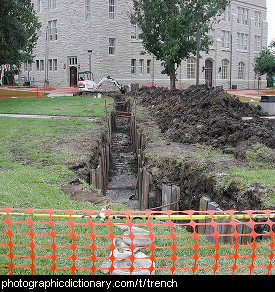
x=265 y=63
x=18 y=31
x=169 y=28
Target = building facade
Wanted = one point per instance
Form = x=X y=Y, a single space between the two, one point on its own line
x=97 y=36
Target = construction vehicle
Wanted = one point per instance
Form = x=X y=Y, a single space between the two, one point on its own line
x=86 y=85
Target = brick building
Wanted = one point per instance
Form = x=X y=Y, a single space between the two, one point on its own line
x=82 y=35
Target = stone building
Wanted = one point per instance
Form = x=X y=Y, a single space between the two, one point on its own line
x=97 y=36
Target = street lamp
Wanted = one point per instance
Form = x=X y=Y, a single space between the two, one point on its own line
x=198 y=16
x=90 y=62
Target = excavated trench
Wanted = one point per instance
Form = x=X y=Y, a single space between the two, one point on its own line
x=123 y=171
x=197 y=173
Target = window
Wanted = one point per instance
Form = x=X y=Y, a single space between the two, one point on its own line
x=191 y=68
x=242 y=15
x=72 y=61
x=53 y=64
x=242 y=41
x=148 y=67
x=257 y=19
x=50 y=64
x=52 y=4
x=88 y=9
x=241 y=71
x=112 y=46
x=225 y=69
x=133 y=66
x=52 y=30
x=227 y=13
x=135 y=32
x=211 y=34
x=38 y=5
x=111 y=9
x=225 y=37
x=41 y=65
x=257 y=43
x=27 y=66
x=141 y=66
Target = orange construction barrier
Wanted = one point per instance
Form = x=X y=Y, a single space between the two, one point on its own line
x=82 y=242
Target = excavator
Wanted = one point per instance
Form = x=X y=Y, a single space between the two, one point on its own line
x=87 y=86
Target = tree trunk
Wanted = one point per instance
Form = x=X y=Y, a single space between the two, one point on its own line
x=172 y=77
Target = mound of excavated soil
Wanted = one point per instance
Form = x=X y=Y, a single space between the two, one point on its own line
x=209 y=116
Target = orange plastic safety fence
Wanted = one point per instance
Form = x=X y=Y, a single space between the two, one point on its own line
x=21 y=92
x=136 y=242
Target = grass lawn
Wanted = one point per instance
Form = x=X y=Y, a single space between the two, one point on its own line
x=65 y=106
x=34 y=152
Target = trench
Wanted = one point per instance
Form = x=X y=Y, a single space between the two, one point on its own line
x=122 y=183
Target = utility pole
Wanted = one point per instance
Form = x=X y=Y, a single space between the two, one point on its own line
x=90 y=62
x=198 y=16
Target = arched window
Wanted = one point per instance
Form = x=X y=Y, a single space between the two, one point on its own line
x=225 y=69
x=191 y=68
x=241 y=71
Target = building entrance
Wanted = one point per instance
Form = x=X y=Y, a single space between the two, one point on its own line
x=73 y=76
x=209 y=73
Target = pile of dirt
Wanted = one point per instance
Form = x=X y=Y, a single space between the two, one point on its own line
x=207 y=116
x=79 y=193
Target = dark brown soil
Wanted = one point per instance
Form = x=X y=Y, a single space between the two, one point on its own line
x=190 y=121
x=78 y=192
x=207 y=116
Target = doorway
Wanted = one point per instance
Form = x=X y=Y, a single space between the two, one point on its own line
x=73 y=76
x=209 y=73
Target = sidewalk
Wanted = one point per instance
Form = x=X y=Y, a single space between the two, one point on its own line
x=92 y=119
x=250 y=94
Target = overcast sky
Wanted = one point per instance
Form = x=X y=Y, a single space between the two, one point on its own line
x=271 y=19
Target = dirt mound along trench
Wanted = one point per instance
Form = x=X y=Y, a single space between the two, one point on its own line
x=199 y=169
x=208 y=116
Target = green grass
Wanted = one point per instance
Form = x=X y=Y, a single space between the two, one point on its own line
x=33 y=155
x=246 y=177
x=34 y=152
x=64 y=105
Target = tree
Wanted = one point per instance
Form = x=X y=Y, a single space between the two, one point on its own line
x=169 y=28
x=18 y=31
x=265 y=62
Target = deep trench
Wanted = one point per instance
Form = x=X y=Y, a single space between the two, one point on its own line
x=123 y=171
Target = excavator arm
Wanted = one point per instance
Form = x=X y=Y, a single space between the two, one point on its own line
x=123 y=89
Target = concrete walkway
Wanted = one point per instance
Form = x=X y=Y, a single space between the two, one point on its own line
x=252 y=94
x=95 y=119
